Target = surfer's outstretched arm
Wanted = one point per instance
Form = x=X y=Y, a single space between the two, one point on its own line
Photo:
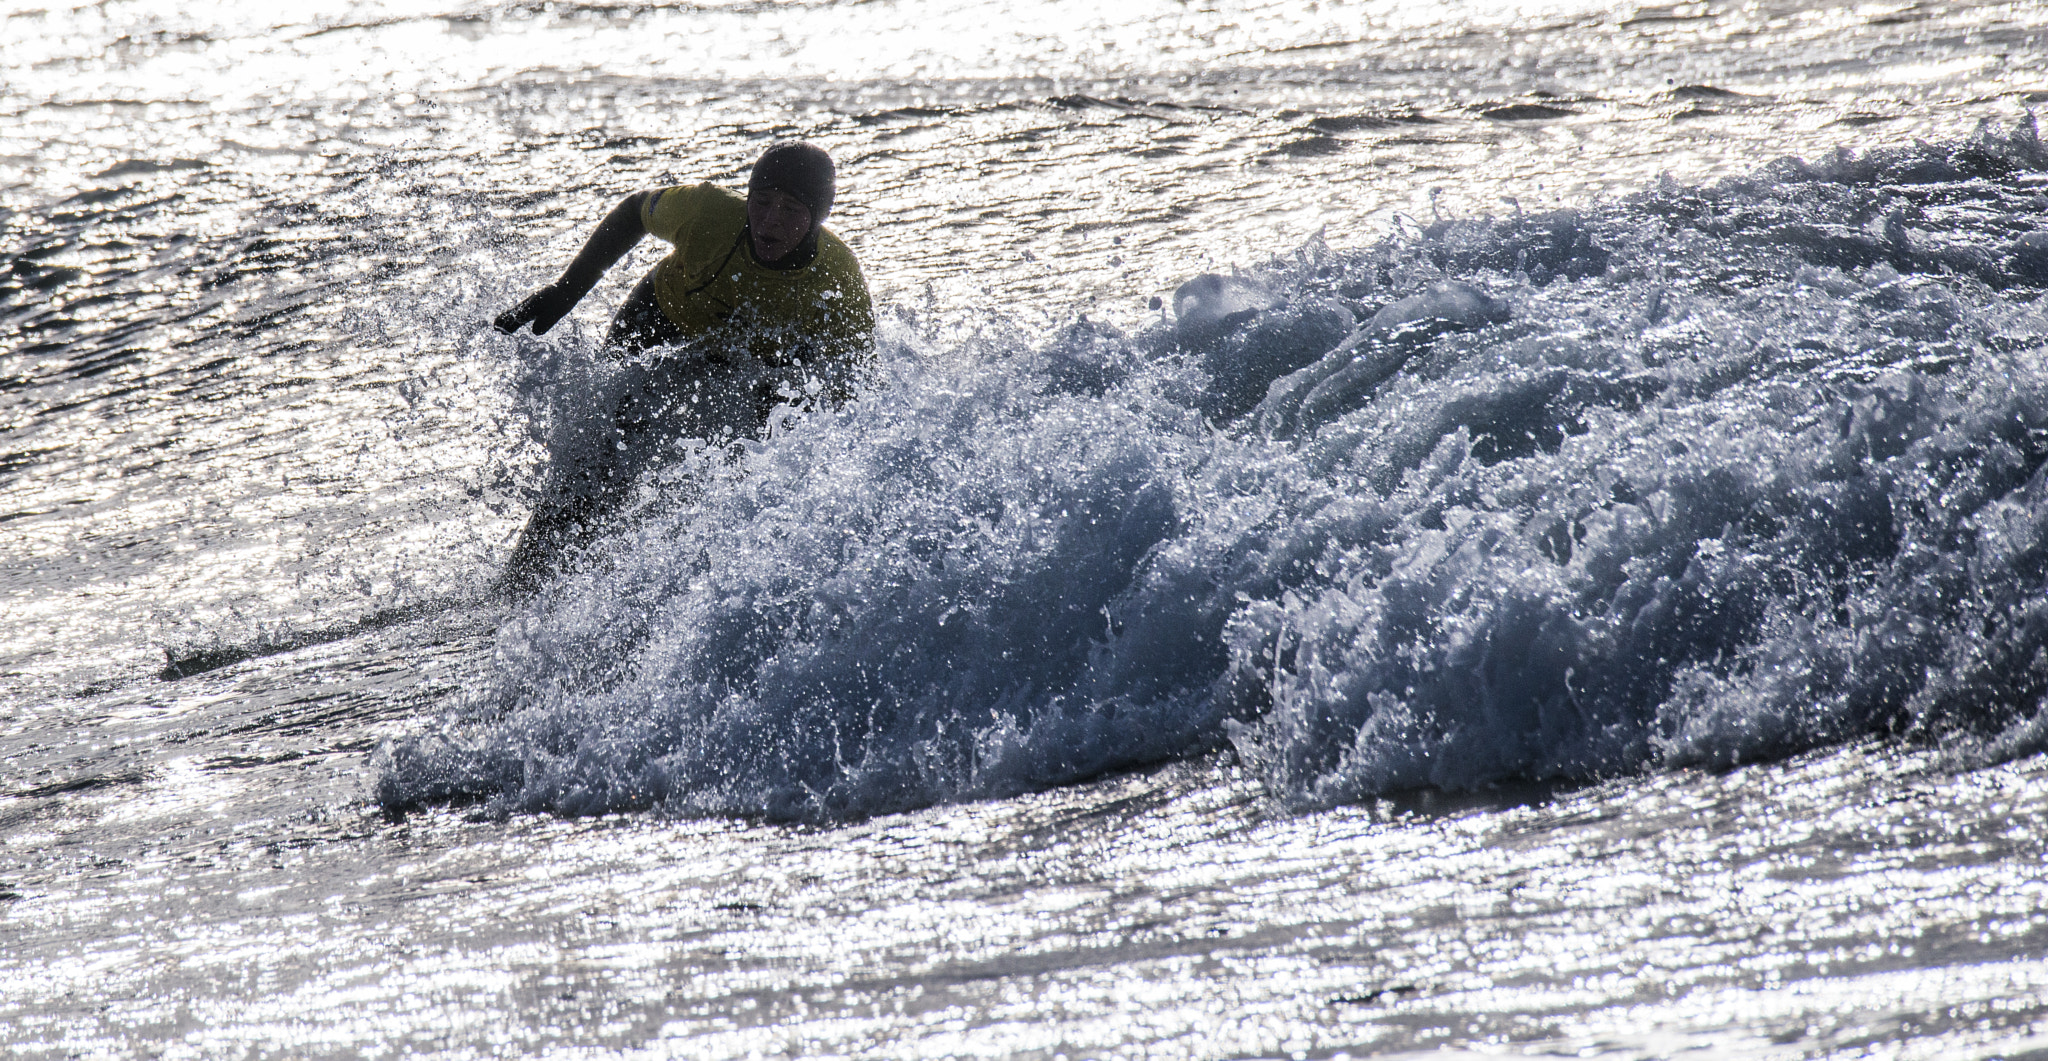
x=618 y=233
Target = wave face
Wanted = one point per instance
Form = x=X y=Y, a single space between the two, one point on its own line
x=1707 y=475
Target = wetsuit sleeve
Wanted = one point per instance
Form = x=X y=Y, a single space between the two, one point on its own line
x=671 y=212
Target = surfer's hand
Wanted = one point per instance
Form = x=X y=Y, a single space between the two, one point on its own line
x=541 y=309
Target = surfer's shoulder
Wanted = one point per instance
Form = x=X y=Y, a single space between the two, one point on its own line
x=667 y=211
x=835 y=257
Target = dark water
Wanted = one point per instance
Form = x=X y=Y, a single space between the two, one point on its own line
x=1590 y=600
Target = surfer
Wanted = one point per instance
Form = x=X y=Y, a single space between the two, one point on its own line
x=757 y=304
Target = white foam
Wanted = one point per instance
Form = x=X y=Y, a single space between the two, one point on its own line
x=1740 y=470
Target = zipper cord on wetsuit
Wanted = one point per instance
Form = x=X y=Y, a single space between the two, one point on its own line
x=722 y=262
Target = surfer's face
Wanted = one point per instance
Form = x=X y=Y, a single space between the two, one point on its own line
x=779 y=222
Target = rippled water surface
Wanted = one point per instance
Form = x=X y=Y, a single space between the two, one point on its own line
x=1590 y=601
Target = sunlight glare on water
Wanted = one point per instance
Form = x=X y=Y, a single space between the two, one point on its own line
x=393 y=47
x=1620 y=649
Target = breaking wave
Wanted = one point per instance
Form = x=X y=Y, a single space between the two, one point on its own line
x=1703 y=476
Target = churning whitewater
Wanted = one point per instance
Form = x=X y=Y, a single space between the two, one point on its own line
x=1702 y=476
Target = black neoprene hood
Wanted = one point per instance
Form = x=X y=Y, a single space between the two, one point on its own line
x=800 y=169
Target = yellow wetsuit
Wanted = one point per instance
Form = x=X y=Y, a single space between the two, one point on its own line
x=711 y=286
x=745 y=340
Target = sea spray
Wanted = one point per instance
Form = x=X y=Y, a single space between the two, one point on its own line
x=1706 y=475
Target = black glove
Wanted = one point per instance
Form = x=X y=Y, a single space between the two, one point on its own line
x=542 y=309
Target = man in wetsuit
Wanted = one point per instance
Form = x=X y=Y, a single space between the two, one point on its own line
x=757 y=303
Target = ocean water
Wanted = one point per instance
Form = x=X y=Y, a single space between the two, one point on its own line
x=1376 y=530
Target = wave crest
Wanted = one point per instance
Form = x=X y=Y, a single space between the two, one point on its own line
x=1707 y=475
